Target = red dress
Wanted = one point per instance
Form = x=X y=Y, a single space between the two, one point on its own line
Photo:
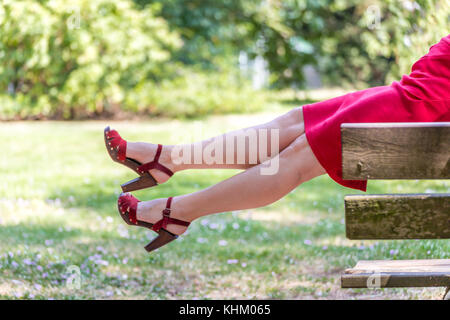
x=422 y=96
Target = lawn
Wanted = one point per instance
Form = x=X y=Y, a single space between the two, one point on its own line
x=58 y=193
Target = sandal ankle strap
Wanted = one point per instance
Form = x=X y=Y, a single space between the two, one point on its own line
x=166 y=219
x=155 y=164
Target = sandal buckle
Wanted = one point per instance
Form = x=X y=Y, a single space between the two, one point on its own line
x=166 y=212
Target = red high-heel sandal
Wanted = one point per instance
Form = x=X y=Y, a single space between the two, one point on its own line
x=127 y=205
x=117 y=149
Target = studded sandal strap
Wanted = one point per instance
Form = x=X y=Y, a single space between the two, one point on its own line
x=166 y=219
x=155 y=164
x=128 y=205
x=119 y=143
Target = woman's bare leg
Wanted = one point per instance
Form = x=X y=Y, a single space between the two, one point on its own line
x=248 y=189
x=289 y=126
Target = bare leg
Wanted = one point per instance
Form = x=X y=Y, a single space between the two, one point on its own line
x=248 y=189
x=289 y=126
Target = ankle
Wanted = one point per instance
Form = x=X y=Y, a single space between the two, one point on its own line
x=182 y=209
x=145 y=152
x=167 y=158
x=139 y=151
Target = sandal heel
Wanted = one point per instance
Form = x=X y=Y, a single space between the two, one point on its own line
x=139 y=183
x=163 y=238
x=117 y=150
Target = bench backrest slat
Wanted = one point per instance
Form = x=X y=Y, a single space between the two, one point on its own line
x=396 y=150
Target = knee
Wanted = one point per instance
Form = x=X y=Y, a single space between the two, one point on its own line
x=292 y=118
x=293 y=157
x=299 y=144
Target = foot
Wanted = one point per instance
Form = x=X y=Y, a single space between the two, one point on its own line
x=145 y=152
x=151 y=212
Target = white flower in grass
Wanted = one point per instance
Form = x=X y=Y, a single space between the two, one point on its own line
x=101 y=249
x=223 y=243
x=27 y=261
x=48 y=242
x=213 y=225
x=123 y=231
x=202 y=240
x=324 y=247
x=393 y=252
x=235 y=226
x=37 y=286
x=232 y=261
x=243 y=264
x=109 y=219
x=307 y=242
x=101 y=262
x=204 y=222
x=14 y=264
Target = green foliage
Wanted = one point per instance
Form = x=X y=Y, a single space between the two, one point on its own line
x=79 y=56
x=193 y=93
x=209 y=28
x=369 y=42
x=363 y=49
x=140 y=56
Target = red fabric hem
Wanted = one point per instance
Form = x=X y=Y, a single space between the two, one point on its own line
x=354 y=184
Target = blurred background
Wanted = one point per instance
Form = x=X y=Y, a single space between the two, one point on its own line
x=88 y=59
x=176 y=71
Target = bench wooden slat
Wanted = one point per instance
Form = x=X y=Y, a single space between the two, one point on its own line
x=398 y=273
x=395 y=150
x=398 y=216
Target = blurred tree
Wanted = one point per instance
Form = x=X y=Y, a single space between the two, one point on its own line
x=360 y=42
x=377 y=41
x=61 y=57
x=212 y=30
x=78 y=56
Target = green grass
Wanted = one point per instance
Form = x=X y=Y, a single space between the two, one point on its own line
x=58 y=193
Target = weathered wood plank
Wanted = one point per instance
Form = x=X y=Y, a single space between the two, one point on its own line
x=398 y=273
x=396 y=150
x=398 y=216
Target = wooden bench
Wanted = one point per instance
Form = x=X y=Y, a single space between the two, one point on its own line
x=397 y=151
